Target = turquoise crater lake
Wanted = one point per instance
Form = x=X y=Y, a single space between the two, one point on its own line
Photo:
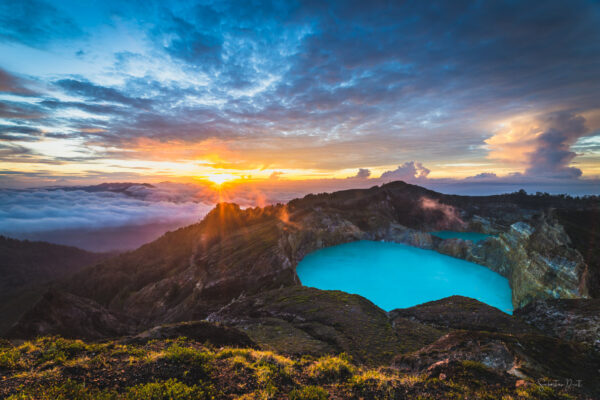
x=394 y=275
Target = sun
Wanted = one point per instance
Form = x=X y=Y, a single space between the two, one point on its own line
x=219 y=179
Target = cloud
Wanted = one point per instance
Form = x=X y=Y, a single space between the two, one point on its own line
x=276 y=175
x=8 y=150
x=34 y=23
x=363 y=173
x=483 y=176
x=409 y=171
x=19 y=132
x=194 y=42
x=553 y=153
x=99 y=93
x=328 y=85
x=541 y=144
x=12 y=84
x=29 y=211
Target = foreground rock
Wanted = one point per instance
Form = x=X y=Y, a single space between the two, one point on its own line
x=455 y=339
x=527 y=356
x=301 y=320
x=575 y=320
x=458 y=312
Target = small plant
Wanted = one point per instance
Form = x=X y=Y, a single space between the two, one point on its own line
x=168 y=390
x=239 y=362
x=188 y=355
x=233 y=352
x=374 y=384
x=309 y=393
x=272 y=372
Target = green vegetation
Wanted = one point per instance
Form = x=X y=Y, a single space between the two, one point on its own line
x=164 y=390
x=171 y=389
x=309 y=393
x=331 y=369
x=57 y=368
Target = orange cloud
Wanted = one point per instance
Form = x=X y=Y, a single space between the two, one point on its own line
x=514 y=141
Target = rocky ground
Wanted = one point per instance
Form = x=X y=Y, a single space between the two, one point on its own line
x=55 y=368
x=273 y=344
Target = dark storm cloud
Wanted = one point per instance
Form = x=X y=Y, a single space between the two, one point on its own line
x=34 y=23
x=431 y=50
x=553 y=153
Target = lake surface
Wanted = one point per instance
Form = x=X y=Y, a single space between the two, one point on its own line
x=473 y=236
x=394 y=275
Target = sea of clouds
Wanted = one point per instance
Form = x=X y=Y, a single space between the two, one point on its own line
x=98 y=219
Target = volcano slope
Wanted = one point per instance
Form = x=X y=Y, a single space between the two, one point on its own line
x=235 y=270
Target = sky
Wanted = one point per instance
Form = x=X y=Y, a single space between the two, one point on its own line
x=461 y=96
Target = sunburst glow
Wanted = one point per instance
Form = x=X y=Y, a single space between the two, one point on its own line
x=219 y=179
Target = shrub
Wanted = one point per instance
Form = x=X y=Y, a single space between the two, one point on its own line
x=10 y=358
x=331 y=368
x=188 y=355
x=309 y=393
x=374 y=384
x=239 y=363
x=58 y=350
x=233 y=352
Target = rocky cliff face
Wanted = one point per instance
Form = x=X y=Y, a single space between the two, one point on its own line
x=576 y=320
x=537 y=258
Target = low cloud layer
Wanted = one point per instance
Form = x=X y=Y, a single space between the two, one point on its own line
x=96 y=220
x=121 y=216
